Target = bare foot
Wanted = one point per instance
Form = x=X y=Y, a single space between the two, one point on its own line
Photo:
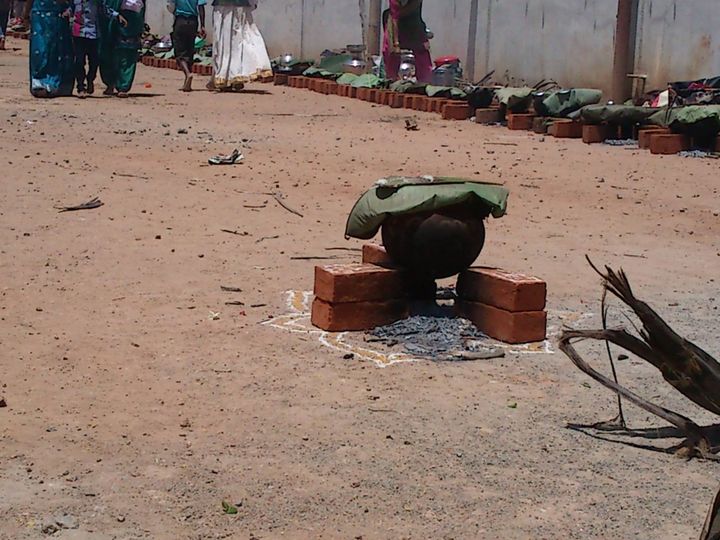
x=122 y=95
x=81 y=94
x=109 y=91
x=187 y=87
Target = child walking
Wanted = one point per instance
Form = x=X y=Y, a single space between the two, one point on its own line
x=85 y=41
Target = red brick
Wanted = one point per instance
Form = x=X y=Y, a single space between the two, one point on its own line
x=396 y=100
x=662 y=143
x=408 y=100
x=353 y=92
x=505 y=290
x=565 y=129
x=488 y=116
x=356 y=316
x=331 y=88
x=358 y=283
x=595 y=133
x=371 y=95
x=376 y=254
x=456 y=111
x=645 y=134
x=520 y=121
x=361 y=93
x=419 y=103
x=507 y=326
x=280 y=79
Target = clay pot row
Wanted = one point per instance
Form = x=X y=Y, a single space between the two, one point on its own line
x=450 y=109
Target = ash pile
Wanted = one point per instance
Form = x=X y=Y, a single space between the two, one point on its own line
x=436 y=334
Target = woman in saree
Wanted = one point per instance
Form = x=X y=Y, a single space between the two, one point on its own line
x=239 y=53
x=51 y=50
x=406 y=29
x=121 y=27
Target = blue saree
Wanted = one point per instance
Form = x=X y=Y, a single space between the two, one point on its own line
x=51 y=52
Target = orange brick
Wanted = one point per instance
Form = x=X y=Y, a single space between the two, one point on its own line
x=662 y=143
x=358 y=283
x=646 y=133
x=488 y=116
x=456 y=111
x=517 y=327
x=356 y=316
x=520 y=121
x=565 y=129
x=377 y=255
x=592 y=133
x=505 y=290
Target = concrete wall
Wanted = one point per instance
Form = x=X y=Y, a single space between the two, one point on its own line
x=570 y=41
x=678 y=40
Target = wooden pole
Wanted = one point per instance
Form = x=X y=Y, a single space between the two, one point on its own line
x=623 y=62
x=374 y=31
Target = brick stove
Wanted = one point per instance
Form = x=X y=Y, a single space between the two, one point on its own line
x=506 y=306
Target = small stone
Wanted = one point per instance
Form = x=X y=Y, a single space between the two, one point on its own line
x=3 y=403
x=182 y=131
x=66 y=521
x=121 y=519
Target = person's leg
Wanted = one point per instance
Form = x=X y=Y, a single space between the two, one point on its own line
x=4 y=17
x=93 y=56
x=79 y=48
x=126 y=66
x=183 y=36
x=392 y=65
x=423 y=65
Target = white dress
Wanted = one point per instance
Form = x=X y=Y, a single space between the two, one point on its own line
x=239 y=52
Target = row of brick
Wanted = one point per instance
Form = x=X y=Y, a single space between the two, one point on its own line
x=448 y=108
x=18 y=35
x=505 y=306
x=656 y=139
x=171 y=63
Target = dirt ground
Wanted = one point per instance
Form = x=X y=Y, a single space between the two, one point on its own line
x=137 y=401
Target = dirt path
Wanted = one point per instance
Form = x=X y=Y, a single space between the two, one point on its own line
x=132 y=410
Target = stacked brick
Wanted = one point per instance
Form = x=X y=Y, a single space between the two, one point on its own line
x=352 y=297
x=505 y=306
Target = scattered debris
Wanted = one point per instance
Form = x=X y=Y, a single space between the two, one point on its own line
x=3 y=403
x=411 y=124
x=235 y=232
x=621 y=142
x=214 y=316
x=91 y=204
x=59 y=522
x=229 y=509
x=235 y=303
x=698 y=154
x=685 y=366
x=231 y=159
x=314 y=258
x=279 y=197
x=262 y=239
x=230 y=289
x=498 y=143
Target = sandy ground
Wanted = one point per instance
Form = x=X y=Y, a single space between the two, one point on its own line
x=134 y=412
